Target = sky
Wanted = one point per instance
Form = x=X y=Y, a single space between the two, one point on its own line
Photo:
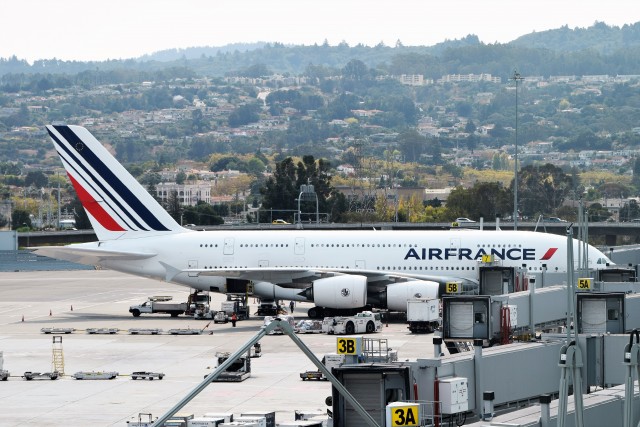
x=120 y=29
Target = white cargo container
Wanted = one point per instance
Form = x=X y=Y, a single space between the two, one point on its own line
x=204 y=422
x=423 y=315
x=269 y=416
x=227 y=417
x=259 y=421
x=239 y=424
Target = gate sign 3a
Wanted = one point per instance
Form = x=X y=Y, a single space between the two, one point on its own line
x=400 y=414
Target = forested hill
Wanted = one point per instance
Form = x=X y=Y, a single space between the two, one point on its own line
x=599 y=38
x=599 y=49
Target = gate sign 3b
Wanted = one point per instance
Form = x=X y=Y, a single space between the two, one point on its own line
x=348 y=346
x=403 y=414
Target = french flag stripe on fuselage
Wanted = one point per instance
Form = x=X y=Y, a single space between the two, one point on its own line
x=548 y=254
x=105 y=173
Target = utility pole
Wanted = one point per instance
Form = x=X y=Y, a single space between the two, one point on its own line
x=516 y=78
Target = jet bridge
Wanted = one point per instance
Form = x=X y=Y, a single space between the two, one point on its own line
x=496 y=319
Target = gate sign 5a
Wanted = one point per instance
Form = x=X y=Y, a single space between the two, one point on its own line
x=403 y=414
x=584 y=283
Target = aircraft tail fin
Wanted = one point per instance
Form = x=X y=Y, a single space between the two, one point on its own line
x=117 y=205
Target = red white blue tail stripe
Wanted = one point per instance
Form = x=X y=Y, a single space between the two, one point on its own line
x=116 y=203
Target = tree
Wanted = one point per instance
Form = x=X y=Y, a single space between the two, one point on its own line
x=79 y=214
x=244 y=115
x=20 y=218
x=173 y=206
x=181 y=177
x=36 y=179
x=412 y=145
x=542 y=189
x=282 y=190
x=355 y=70
x=201 y=214
x=630 y=211
x=483 y=200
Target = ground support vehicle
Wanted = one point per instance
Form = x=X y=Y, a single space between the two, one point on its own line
x=220 y=317
x=278 y=330
x=95 y=375
x=144 y=375
x=145 y=331
x=312 y=375
x=364 y=322
x=4 y=375
x=423 y=315
x=331 y=361
x=57 y=330
x=103 y=331
x=308 y=326
x=29 y=375
x=186 y=331
x=151 y=306
x=198 y=304
x=236 y=304
x=268 y=308
x=204 y=314
x=238 y=371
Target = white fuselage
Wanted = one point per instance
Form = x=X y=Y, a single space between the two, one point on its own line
x=455 y=253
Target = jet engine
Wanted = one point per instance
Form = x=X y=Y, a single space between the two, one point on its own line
x=348 y=291
x=399 y=293
x=270 y=291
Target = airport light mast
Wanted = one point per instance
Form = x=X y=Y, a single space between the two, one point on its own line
x=516 y=78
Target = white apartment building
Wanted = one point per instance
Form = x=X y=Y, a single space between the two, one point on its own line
x=188 y=194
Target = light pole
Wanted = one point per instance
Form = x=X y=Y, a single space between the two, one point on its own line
x=516 y=78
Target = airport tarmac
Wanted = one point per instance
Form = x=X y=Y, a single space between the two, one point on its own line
x=30 y=301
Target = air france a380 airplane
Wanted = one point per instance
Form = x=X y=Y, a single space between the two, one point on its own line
x=333 y=269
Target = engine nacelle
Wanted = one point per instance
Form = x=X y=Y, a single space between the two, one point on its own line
x=399 y=293
x=348 y=291
x=270 y=291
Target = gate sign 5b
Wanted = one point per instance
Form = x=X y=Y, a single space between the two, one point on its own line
x=403 y=414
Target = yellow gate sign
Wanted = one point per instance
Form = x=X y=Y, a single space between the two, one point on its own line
x=347 y=346
x=584 y=283
x=453 y=287
x=403 y=414
x=487 y=258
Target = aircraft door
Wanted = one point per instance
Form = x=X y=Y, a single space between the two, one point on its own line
x=228 y=246
x=299 y=246
x=454 y=243
x=193 y=264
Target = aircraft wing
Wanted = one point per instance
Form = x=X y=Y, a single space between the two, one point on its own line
x=88 y=256
x=294 y=277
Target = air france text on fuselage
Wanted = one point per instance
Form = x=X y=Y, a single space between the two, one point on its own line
x=515 y=254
